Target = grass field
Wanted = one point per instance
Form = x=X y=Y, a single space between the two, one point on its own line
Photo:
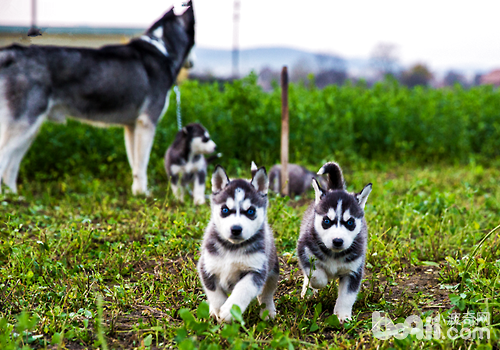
x=83 y=264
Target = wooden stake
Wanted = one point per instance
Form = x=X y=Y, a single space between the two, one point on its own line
x=284 y=131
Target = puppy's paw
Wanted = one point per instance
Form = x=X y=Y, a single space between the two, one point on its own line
x=214 y=313
x=225 y=313
x=319 y=279
x=343 y=316
x=199 y=201
x=271 y=315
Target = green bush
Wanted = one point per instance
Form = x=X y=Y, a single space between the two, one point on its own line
x=353 y=122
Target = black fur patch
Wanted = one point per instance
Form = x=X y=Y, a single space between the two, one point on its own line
x=174 y=179
x=208 y=280
x=259 y=277
x=355 y=280
x=201 y=176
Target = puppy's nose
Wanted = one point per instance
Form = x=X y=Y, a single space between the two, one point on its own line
x=236 y=230
x=338 y=242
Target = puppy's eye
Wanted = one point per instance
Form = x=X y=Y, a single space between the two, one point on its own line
x=251 y=211
x=225 y=210
x=205 y=139
x=326 y=221
x=350 y=222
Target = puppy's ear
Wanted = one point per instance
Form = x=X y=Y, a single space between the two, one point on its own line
x=260 y=181
x=362 y=196
x=253 y=168
x=334 y=175
x=219 y=179
x=318 y=191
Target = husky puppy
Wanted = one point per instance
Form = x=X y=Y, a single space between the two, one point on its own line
x=333 y=238
x=238 y=256
x=299 y=178
x=124 y=85
x=184 y=160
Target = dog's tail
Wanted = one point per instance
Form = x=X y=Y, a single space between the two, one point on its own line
x=334 y=176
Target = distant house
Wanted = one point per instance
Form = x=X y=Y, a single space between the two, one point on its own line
x=68 y=36
x=492 y=78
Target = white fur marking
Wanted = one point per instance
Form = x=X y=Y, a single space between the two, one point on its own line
x=160 y=46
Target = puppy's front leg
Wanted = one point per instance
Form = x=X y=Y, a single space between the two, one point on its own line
x=247 y=288
x=318 y=279
x=177 y=188
x=348 y=291
x=216 y=299
x=199 y=188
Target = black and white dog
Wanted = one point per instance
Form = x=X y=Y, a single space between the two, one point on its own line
x=299 y=179
x=184 y=161
x=333 y=239
x=126 y=85
x=238 y=255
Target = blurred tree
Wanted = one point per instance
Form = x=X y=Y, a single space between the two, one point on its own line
x=300 y=69
x=331 y=70
x=384 y=59
x=419 y=74
x=452 y=77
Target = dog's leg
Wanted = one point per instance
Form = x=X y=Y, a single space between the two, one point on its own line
x=243 y=293
x=216 y=299
x=199 y=188
x=129 y=144
x=177 y=188
x=266 y=297
x=16 y=137
x=215 y=295
x=144 y=133
x=348 y=291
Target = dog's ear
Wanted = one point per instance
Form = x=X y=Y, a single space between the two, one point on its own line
x=318 y=191
x=260 y=180
x=362 y=196
x=334 y=175
x=219 y=179
x=188 y=129
x=253 y=168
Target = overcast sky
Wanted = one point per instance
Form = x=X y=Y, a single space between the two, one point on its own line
x=440 y=33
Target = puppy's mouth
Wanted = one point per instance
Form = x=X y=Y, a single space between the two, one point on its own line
x=236 y=240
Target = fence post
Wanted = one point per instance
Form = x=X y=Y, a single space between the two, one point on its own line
x=284 y=132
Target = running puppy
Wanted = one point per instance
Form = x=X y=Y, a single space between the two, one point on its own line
x=333 y=238
x=184 y=160
x=122 y=85
x=238 y=256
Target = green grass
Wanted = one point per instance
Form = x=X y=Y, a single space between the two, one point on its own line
x=83 y=264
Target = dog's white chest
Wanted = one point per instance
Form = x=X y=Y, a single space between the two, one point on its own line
x=229 y=267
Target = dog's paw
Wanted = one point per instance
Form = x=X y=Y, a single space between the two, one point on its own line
x=199 y=201
x=270 y=315
x=343 y=316
x=214 y=313
x=225 y=313
x=319 y=279
x=304 y=292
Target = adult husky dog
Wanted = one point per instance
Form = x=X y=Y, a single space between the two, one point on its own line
x=333 y=238
x=238 y=255
x=124 y=85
